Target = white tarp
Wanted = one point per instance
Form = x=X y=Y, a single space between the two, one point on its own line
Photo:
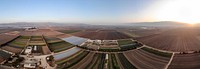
x=66 y=53
x=75 y=40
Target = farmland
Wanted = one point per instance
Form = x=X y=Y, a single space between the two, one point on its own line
x=185 y=61
x=128 y=44
x=20 y=42
x=136 y=32
x=71 y=60
x=93 y=62
x=66 y=53
x=156 y=52
x=99 y=34
x=102 y=35
x=37 y=40
x=109 y=49
x=84 y=62
x=17 y=44
x=99 y=61
x=57 y=45
x=69 y=31
x=45 y=32
x=12 y=49
x=39 y=43
x=125 y=63
x=4 y=30
x=144 y=59
x=6 y=38
x=52 y=39
x=112 y=62
x=178 y=40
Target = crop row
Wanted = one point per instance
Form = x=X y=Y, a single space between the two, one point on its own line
x=73 y=60
x=125 y=63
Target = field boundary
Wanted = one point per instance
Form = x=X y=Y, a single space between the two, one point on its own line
x=160 y=49
x=170 y=61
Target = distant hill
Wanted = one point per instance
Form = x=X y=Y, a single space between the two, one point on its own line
x=39 y=24
x=158 y=24
x=50 y=24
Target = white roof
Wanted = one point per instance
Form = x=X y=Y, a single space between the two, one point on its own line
x=28 y=50
x=30 y=65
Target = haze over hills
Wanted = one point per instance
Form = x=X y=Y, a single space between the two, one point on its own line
x=39 y=24
x=147 y=24
x=159 y=24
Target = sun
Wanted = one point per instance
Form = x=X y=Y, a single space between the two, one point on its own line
x=186 y=11
x=192 y=23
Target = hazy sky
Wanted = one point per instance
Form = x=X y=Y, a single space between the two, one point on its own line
x=86 y=11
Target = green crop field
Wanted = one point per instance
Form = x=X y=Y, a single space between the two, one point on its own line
x=59 y=46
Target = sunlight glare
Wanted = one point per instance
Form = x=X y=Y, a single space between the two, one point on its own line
x=186 y=11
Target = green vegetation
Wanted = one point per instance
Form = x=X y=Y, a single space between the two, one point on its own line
x=59 y=46
x=128 y=44
x=36 y=40
x=24 y=37
x=99 y=64
x=77 y=59
x=156 y=52
x=72 y=61
x=128 y=47
x=17 y=44
x=125 y=42
x=96 y=61
x=102 y=61
x=20 y=42
x=36 y=36
x=124 y=61
x=92 y=63
x=69 y=31
x=109 y=50
x=113 y=62
x=38 y=43
x=52 y=39
x=60 y=62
